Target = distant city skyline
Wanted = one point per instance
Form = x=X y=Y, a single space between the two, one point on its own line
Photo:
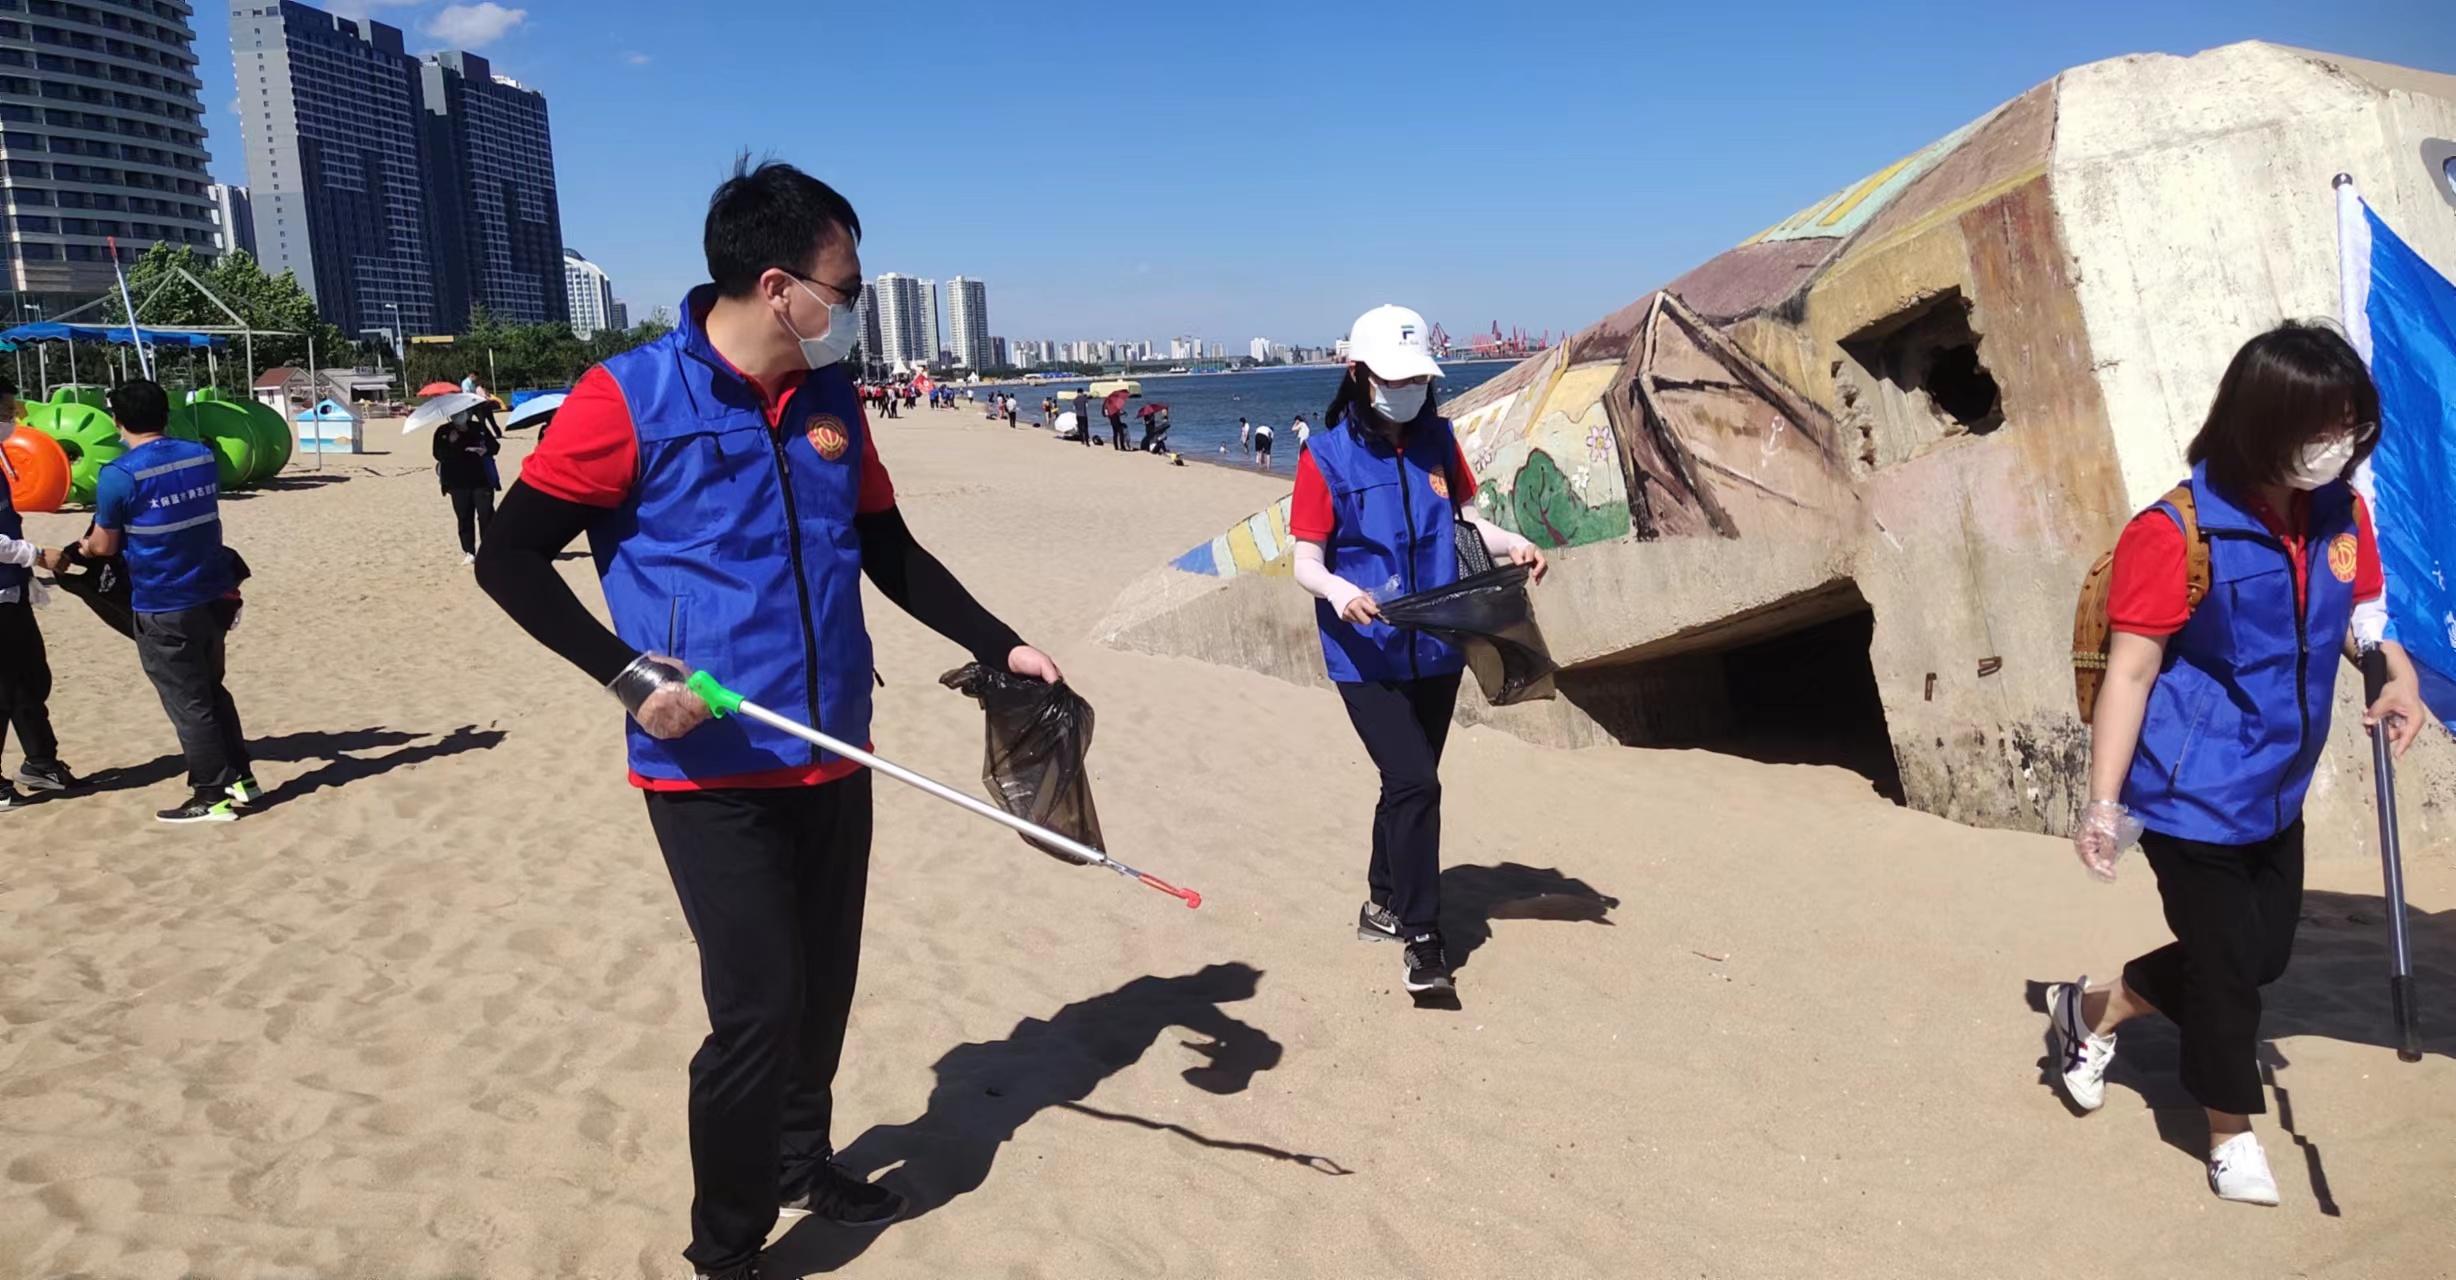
x=1552 y=184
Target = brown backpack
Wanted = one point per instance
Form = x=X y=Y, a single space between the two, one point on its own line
x=2090 y=633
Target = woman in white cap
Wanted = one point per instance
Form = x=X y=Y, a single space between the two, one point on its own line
x=1379 y=496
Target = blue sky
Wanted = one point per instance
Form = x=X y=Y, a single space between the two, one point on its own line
x=1267 y=168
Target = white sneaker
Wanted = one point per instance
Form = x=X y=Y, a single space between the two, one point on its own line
x=2081 y=1055
x=469 y=557
x=2238 y=1170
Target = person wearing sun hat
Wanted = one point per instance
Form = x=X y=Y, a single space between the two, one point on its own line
x=1380 y=493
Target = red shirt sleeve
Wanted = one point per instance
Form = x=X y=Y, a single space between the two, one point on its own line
x=877 y=490
x=1310 y=517
x=2151 y=591
x=590 y=454
x=2370 y=581
x=1462 y=476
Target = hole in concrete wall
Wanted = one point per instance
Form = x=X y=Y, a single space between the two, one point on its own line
x=1918 y=378
x=1787 y=684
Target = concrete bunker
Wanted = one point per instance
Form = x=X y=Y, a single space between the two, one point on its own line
x=1791 y=683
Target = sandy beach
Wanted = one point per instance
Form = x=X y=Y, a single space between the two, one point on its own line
x=427 y=1014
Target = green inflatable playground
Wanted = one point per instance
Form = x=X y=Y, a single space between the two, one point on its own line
x=250 y=442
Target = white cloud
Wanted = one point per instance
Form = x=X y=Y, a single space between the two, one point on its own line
x=474 y=26
x=636 y=59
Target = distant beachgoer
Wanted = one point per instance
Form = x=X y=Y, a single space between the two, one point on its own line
x=1048 y=412
x=1383 y=439
x=1303 y=431
x=1245 y=437
x=1083 y=416
x=2211 y=721
x=1262 y=445
x=1010 y=412
x=464 y=454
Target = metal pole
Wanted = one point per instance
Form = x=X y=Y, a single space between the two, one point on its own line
x=72 y=361
x=2392 y=869
x=312 y=402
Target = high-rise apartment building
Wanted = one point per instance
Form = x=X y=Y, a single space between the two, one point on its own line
x=900 y=319
x=589 y=296
x=234 y=219
x=101 y=135
x=330 y=111
x=968 y=322
x=622 y=316
x=490 y=164
x=870 y=345
x=933 y=336
x=998 y=357
x=399 y=190
x=1260 y=350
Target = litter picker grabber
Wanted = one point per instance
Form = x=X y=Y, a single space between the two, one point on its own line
x=2392 y=868
x=725 y=702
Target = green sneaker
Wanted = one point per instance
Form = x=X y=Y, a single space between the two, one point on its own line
x=244 y=792
x=199 y=808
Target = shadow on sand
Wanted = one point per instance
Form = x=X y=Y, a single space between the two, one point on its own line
x=989 y=1090
x=339 y=768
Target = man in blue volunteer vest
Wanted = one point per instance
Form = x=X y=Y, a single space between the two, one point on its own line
x=25 y=669
x=159 y=507
x=733 y=498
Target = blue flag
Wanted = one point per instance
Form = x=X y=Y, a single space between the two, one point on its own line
x=2401 y=314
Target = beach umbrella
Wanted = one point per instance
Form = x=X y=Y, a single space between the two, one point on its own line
x=725 y=702
x=1115 y=402
x=440 y=410
x=534 y=412
x=1152 y=408
x=439 y=389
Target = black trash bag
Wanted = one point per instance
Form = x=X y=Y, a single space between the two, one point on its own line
x=102 y=583
x=1039 y=735
x=1487 y=615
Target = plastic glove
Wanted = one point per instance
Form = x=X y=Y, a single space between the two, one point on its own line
x=2106 y=829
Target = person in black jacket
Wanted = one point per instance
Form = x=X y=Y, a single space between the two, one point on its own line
x=463 y=454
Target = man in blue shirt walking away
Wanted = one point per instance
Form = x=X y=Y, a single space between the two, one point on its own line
x=159 y=506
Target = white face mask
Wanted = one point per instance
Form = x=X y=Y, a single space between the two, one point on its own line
x=843 y=331
x=2320 y=461
x=1400 y=403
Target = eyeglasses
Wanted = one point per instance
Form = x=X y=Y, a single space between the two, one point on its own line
x=850 y=293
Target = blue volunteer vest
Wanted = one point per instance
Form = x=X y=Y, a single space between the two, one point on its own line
x=12 y=527
x=173 y=535
x=1393 y=520
x=736 y=551
x=2240 y=711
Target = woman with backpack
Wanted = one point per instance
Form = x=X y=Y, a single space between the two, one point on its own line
x=1378 y=499
x=2213 y=714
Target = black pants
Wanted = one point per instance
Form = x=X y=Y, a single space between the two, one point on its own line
x=182 y=653
x=1117 y=434
x=1404 y=724
x=25 y=685
x=772 y=884
x=2233 y=908
x=473 y=510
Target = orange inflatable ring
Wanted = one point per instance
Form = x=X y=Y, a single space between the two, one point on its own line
x=37 y=470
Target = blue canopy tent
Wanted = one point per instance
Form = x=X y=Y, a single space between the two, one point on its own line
x=54 y=331
x=44 y=331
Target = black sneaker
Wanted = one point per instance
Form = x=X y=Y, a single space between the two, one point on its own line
x=244 y=792
x=199 y=808
x=1428 y=966
x=1374 y=923
x=9 y=799
x=747 y=1271
x=47 y=777
x=833 y=1195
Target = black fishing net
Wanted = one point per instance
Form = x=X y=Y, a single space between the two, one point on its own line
x=1039 y=735
x=1487 y=615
